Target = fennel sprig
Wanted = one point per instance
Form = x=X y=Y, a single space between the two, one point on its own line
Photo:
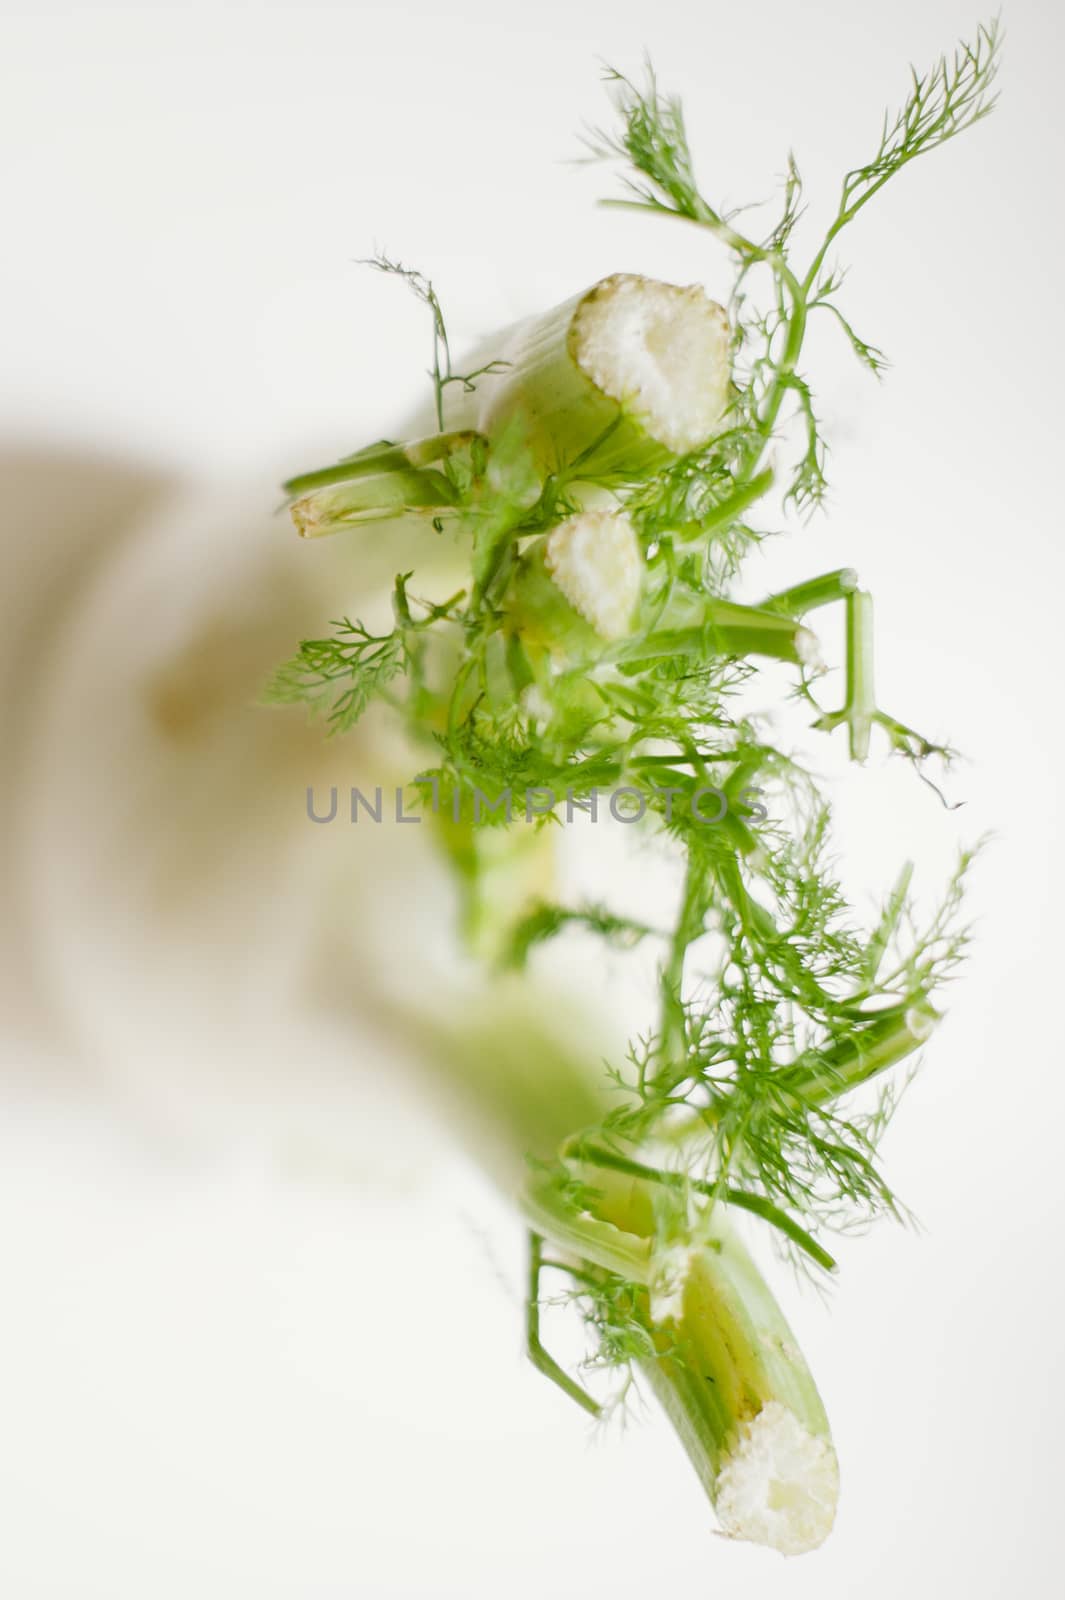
x=659 y=176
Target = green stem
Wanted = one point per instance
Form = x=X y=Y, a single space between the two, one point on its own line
x=376 y=497
x=741 y=500
x=586 y=1235
x=815 y=592
x=382 y=458
x=824 y=1075
x=756 y=1204
x=540 y=1358
x=728 y=629
x=689 y=926
x=796 y=332
x=859 y=710
x=861 y=691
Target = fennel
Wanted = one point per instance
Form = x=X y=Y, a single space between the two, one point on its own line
x=600 y=465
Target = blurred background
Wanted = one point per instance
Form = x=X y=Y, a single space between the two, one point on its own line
x=261 y=1317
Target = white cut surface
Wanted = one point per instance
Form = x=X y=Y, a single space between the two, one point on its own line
x=662 y=350
x=594 y=558
x=670 y=1274
x=780 y=1485
x=808 y=649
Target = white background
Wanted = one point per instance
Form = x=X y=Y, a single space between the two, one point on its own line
x=228 y=1369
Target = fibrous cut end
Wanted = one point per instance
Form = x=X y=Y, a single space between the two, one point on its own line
x=594 y=558
x=779 y=1485
x=661 y=351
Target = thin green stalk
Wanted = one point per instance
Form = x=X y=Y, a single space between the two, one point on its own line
x=813 y=593
x=859 y=711
x=689 y=927
x=584 y=1151
x=538 y=1355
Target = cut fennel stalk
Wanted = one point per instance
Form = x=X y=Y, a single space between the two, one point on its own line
x=719 y=1354
x=610 y=383
x=721 y=1360
x=616 y=379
